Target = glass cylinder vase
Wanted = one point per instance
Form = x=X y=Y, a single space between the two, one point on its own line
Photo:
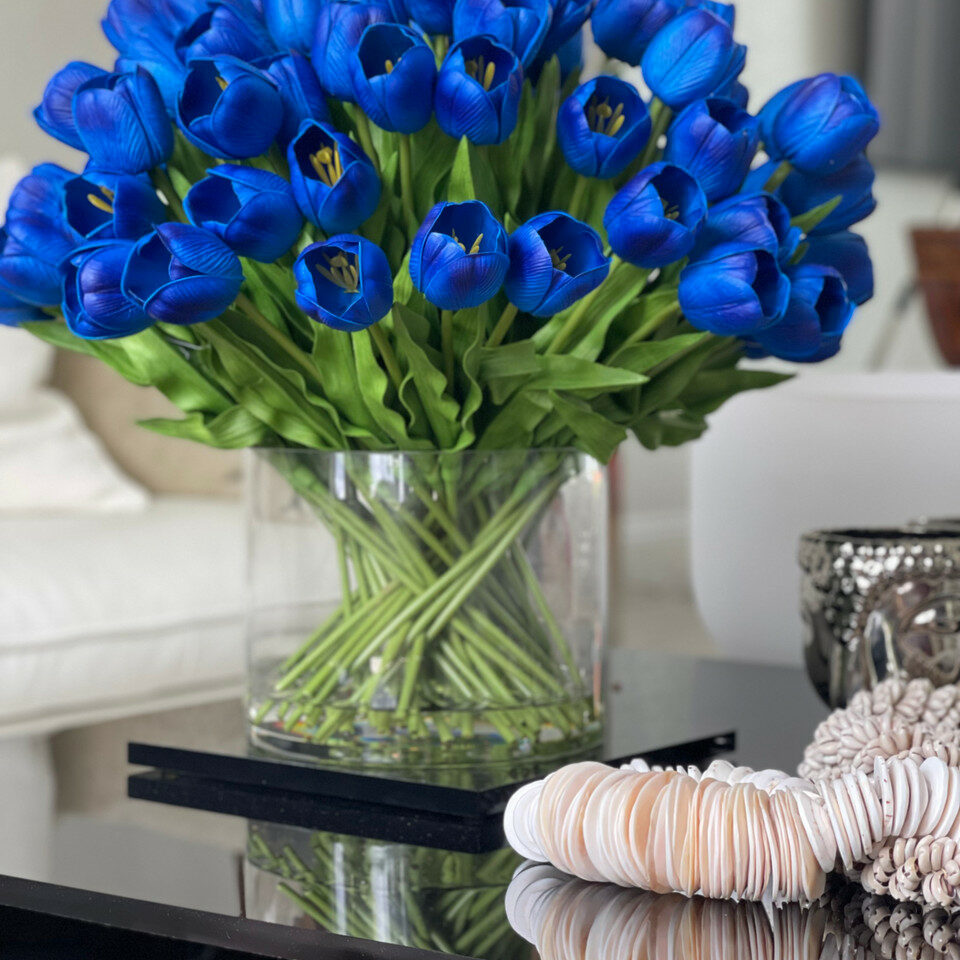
x=426 y=609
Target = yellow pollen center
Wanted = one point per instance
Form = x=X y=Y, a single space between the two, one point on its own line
x=473 y=249
x=669 y=211
x=341 y=272
x=106 y=205
x=602 y=118
x=482 y=72
x=223 y=83
x=326 y=165
x=388 y=66
x=559 y=262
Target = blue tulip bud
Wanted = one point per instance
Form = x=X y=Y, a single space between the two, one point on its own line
x=229 y=109
x=94 y=304
x=433 y=16
x=182 y=274
x=292 y=23
x=14 y=311
x=733 y=292
x=570 y=56
x=554 y=261
x=847 y=253
x=394 y=74
x=122 y=122
x=568 y=18
x=459 y=255
x=518 y=25
x=345 y=283
x=655 y=218
x=725 y=11
x=339 y=28
x=225 y=29
x=104 y=206
x=252 y=211
x=300 y=90
x=819 y=125
x=602 y=127
x=478 y=91
x=35 y=217
x=691 y=57
x=27 y=274
x=853 y=184
x=623 y=29
x=715 y=141
x=55 y=113
x=816 y=316
x=754 y=221
x=335 y=184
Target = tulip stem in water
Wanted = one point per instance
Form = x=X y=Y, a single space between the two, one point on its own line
x=164 y=186
x=778 y=176
x=503 y=325
x=366 y=138
x=387 y=355
x=446 y=339
x=406 y=185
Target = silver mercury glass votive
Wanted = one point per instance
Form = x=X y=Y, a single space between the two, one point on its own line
x=880 y=603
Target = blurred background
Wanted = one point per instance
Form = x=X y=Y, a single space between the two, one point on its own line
x=705 y=536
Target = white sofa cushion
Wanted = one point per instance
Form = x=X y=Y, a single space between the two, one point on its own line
x=114 y=614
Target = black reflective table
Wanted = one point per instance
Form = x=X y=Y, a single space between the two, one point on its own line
x=274 y=888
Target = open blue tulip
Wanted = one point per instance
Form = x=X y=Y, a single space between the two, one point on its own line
x=182 y=274
x=748 y=222
x=55 y=113
x=339 y=28
x=225 y=28
x=602 y=127
x=14 y=311
x=101 y=206
x=394 y=74
x=229 y=109
x=459 y=256
x=716 y=141
x=847 y=253
x=35 y=217
x=252 y=211
x=818 y=312
x=292 y=23
x=568 y=19
x=335 y=184
x=344 y=283
x=94 y=304
x=27 y=274
x=853 y=183
x=518 y=25
x=122 y=122
x=433 y=16
x=478 y=91
x=691 y=57
x=819 y=125
x=655 y=218
x=733 y=292
x=554 y=261
x=623 y=29
x=300 y=91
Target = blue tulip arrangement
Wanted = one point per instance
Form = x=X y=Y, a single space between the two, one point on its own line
x=413 y=225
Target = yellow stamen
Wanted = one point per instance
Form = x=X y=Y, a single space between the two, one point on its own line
x=488 y=75
x=481 y=71
x=615 y=124
x=223 y=83
x=99 y=203
x=670 y=212
x=559 y=263
x=326 y=164
x=476 y=244
x=341 y=272
x=602 y=118
x=388 y=66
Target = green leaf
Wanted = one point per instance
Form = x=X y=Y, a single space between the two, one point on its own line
x=469 y=333
x=709 y=389
x=815 y=216
x=514 y=424
x=594 y=433
x=672 y=379
x=233 y=429
x=669 y=429
x=644 y=356
x=433 y=152
x=472 y=178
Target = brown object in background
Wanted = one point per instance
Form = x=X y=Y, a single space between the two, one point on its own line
x=937 y=254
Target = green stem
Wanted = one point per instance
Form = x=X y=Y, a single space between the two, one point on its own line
x=503 y=325
x=406 y=185
x=662 y=115
x=163 y=183
x=386 y=354
x=446 y=338
x=644 y=331
x=576 y=198
x=778 y=176
x=366 y=138
x=279 y=338
x=572 y=323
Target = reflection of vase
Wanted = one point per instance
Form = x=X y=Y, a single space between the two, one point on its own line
x=937 y=253
x=427 y=609
x=390 y=892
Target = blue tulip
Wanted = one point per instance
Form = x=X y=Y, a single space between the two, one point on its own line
x=459 y=255
x=94 y=304
x=715 y=141
x=225 y=29
x=55 y=113
x=345 y=283
x=568 y=18
x=853 y=184
x=733 y=292
x=229 y=109
x=252 y=211
x=725 y=11
x=122 y=122
x=655 y=218
x=394 y=74
x=27 y=274
x=182 y=274
x=292 y=23
x=736 y=93
x=755 y=221
x=847 y=253
x=602 y=127
x=554 y=261
x=623 y=29
x=35 y=217
x=335 y=184
x=819 y=125
x=519 y=25
x=433 y=16
x=339 y=28
x=570 y=56
x=478 y=91
x=818 y=312
x=300 y=90
x=99 y=206
x=14 y=311
x=691 y=57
